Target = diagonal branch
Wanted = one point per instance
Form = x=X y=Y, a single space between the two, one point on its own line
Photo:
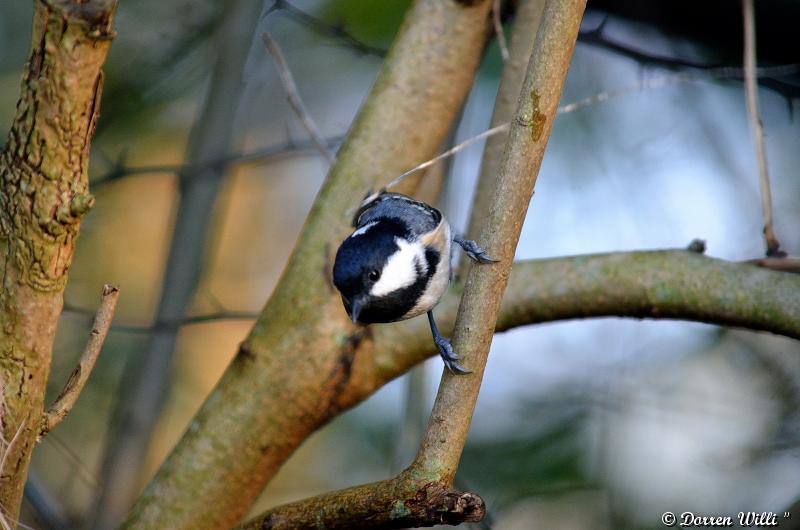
x=754 y=113
x=441 y=448
x=77 y=380
x=293 y=95
x=523 y=38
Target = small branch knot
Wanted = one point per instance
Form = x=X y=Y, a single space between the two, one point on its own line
x=697 y=245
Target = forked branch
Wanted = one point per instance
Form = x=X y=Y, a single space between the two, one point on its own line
x=385 y=504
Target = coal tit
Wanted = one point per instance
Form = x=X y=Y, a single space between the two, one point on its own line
x=396 y=264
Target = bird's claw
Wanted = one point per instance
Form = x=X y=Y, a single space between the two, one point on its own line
x=450 y=357
x=474 y=251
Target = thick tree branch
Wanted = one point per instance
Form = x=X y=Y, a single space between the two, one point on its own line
x=80 y=375
x=300 y=358
x=401 y=502
x=43 y=197
x=662 y=284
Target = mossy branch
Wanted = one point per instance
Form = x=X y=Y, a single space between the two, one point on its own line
x=659 y=284
x=402 y=502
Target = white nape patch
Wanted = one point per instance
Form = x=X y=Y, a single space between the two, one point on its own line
x=363 y=230
x=400 y=270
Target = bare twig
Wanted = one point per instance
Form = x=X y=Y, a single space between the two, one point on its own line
x=754 y=113
x=72 y=390
x=601 y=97
x=726 y=72
x=321 y=27
x=782 y=264
x=293 y=95
x=450 y=152
x=498 y=29
x=292 y=147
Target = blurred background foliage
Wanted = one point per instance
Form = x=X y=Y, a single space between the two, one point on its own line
x=600 y=424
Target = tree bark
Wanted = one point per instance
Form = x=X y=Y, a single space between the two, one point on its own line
x=43 y=197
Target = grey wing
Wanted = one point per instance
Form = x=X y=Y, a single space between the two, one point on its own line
x=419 y=217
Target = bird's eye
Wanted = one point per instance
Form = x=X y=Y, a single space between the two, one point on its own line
x=374 y=275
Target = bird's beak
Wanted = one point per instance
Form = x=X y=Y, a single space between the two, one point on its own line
x=355 y=308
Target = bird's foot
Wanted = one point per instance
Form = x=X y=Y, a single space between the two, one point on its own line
x=474 y=251
x=450 y=357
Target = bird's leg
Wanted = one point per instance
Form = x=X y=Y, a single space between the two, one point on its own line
x=449 y=356
x=473 y=250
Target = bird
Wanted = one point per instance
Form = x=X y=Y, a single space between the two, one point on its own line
x=396 y=264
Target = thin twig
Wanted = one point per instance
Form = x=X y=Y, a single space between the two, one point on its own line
x=119 y=170
x=293 y=95
x=292 y=147
x=450 y=152
x=754 y=113
x=215 y=316
x=319 y=26
x=602 y=97
x=72 y=390
x=498 y=30
x=782 y=264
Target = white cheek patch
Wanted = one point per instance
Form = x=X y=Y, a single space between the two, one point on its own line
x=363 y=230
x=401 y=268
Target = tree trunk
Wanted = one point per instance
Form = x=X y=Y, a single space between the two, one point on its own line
x=43 y=197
